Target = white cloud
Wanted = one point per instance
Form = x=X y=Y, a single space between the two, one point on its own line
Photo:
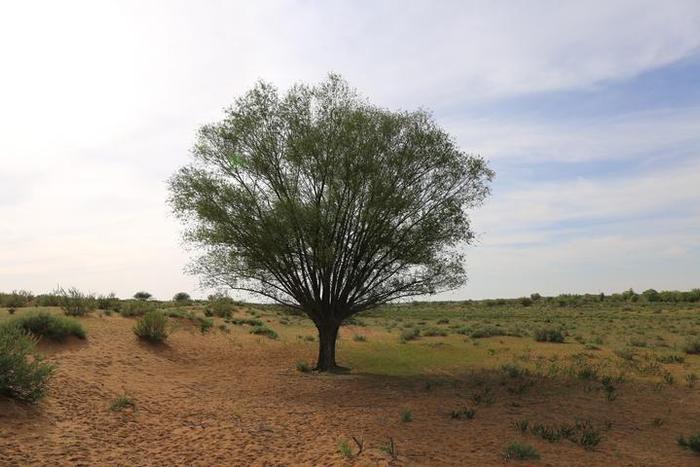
x=100 y=101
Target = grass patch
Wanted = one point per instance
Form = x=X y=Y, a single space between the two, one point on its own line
x=520 y=451
x=549 y=335
x=45 y=324
x=122 y=402
x=264 y=331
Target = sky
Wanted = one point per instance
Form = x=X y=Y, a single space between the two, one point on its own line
x=589 y=112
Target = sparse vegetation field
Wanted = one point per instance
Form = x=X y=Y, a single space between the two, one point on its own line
x=570 y=380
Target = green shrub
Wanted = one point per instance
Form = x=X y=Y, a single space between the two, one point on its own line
x=359 y=338
x=136 y=308
x=23 y=373
x=44 y=324
x=122 y=402
x=247 y=321
x=75 y=303
x=142 y=295
x=205 y=324
x=520 y=451
x=433 y=332
x=409 y=335
x=344 y=449
x=692 y=443
x=549 y=335
x=153 y=327
x=182 y=297
x=406 y=416
x=487 y=332
x=221 y=307
x=108 y=302
x=303 y=367
x=264 y=331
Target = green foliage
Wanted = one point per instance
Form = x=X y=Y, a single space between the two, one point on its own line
x=344 y=449
x=153 y=327
x=74 y=302
x=303 y=367
x=108 y=302
x=264 y=331
x=359 y=338
x=142 y=295
x=406 y=416
x=247 y=321
x=520 y=451
x=23 y=373
x=122 y=402
x=182 y=297
x=409 y=335
x=267 y=213
x=136 y=308
x=692 y=442
x=44 y=324
x=205 y=324
x=221 y=307
x=549 y=335
x=16 y=299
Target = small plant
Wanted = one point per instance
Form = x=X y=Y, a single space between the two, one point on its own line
x=136 y=308
x=406 y=416
x=549 y=335
x=303 y=367
x=610 y=390
x=669 y=379
x=359 y=338
x=264 y=331
x=122 y=402
x=390 y=448
x=522 y=425
x=463 y=414
x=152 y=327
x=657 y=422
x=344 y=449
x=691 y=379
x=520 y=451
x=692 y=443
x=409 y=335
x=44 y=324
x=205 y=324
x=23 y=373
x=514 y=371
x=11 y=310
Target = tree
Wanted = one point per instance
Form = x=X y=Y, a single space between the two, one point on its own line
x=142 y=295
x=327 y=204
x=181 y=297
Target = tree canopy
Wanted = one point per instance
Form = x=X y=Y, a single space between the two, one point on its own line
x=328 y=204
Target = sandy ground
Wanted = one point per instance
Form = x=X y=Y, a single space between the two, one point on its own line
x=236 y=399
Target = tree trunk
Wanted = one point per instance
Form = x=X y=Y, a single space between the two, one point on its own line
x=327 y=335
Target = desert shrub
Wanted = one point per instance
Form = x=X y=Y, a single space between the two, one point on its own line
x=535 y=296
x=487 y=332
x=247 y=321
x=692 y=442
x=691 y=379
x=463 y=414
x=359 y=338
x=514 y=371
x=74 y=302
x=16 y=299
x=108 y=302
x=122 y=402
x=406 y=416
x=409 y=335
x=625 y=353
x=520 y=451
x=136 y=308
x=23 y=373
x=434 y=332
x=142 y=295
x=221 y=307
x=672 y=358
x=153 y=327
x=303 y=367
x=521 y=425
x=182 y=297
x=44 y=324
x=264 y=331
x=549 y=335
x=205 y=324
x=525 y=301
x=692 y=345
